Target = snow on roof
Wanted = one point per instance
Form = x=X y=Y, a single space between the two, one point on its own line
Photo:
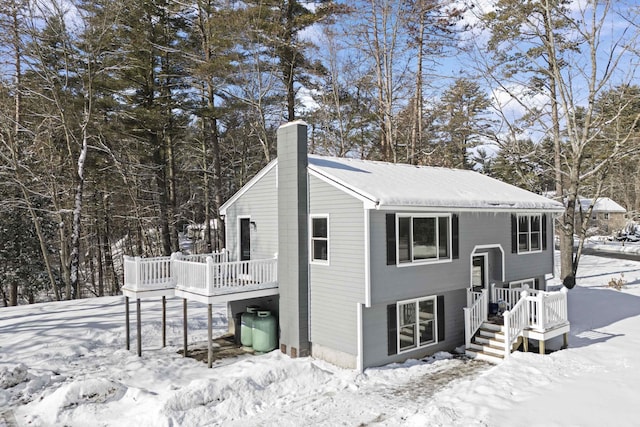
x=603 y=204
x=393 y=185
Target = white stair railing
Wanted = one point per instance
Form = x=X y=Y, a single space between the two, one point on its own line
x=515 y=321
x=475 y=314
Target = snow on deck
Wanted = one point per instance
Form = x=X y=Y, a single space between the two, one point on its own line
x=403 y=185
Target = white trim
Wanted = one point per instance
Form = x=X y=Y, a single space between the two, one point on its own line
x=437 y=259
x=370 y=202
x=432 y=208
x=360 y=338
x=311 y=238
x=494 y=246
x=367 y=257
x=239 y=236
x=435 y=320
x=540 y=237
x=257 y=177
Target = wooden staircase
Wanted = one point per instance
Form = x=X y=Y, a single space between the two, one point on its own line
x=488 y=343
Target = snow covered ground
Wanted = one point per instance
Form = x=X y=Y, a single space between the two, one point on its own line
x=65 y=364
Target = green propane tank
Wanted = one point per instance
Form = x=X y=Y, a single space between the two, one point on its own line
x=246 y=328
x=264 y=331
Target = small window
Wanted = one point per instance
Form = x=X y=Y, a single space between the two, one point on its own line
x=523 y=284
x=606 y=215
x=320 y=239
x=529 y=233
x=417 y=320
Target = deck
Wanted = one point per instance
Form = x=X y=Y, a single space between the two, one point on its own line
x=530 y=314
x=206 y=278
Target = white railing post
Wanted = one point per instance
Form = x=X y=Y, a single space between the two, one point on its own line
x=565 y=303
x=507 y=333
x=484 y=309
x=467 y=327
x=138 y=272
x=542 y=310
x=207 y=275
x=493 y=293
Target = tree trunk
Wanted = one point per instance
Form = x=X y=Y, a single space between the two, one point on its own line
x=77 y=214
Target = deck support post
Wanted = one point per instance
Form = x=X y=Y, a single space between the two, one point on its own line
x=542 y=346
x=126 y=328
x=209 y=337
x=525 y=343
x=164 y=321
x=565 y=339
x=184 y=326
x=139 y=327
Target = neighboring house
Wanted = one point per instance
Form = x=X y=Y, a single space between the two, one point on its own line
x=606 y=215
x=378 y=261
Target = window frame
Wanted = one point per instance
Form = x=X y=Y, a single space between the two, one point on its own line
x=416 y=322
x=529 y=233
x=438 y=258
x=312 y=240
x=517 y=284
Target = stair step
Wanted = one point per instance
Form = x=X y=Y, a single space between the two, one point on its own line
x=483 y=356
x=492 y=327
x=488 y=349
x=489 y=334
x=490 y=341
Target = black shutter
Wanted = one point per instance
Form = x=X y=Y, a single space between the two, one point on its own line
x=391 y=239
x=544 y=232
x=441 y=317
x=455 y=239
x=392 y=330
x=514 y=233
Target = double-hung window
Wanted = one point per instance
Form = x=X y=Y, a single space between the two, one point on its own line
x=417 y=320
x=320 y=239
x=529 y=233
x=423 y=238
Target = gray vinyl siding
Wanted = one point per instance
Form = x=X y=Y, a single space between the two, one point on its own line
x=374 y=338
x=260 y=202
x=338 y=287
x=392 y=283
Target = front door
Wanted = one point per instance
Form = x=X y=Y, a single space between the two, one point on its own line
x=245 y=239
x=479 y=272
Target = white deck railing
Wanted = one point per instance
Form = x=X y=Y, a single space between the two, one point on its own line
x=147 y=273
x=541 y=312
x=204 y=274
x=475 y=314
x=509 y=296
x=212 y=278
x=548 y=310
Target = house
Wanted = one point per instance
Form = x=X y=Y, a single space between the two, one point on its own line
x=381 y=262
x=607 y=215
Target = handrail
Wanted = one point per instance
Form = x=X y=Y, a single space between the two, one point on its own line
x=475 y=314
x=515 y=321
